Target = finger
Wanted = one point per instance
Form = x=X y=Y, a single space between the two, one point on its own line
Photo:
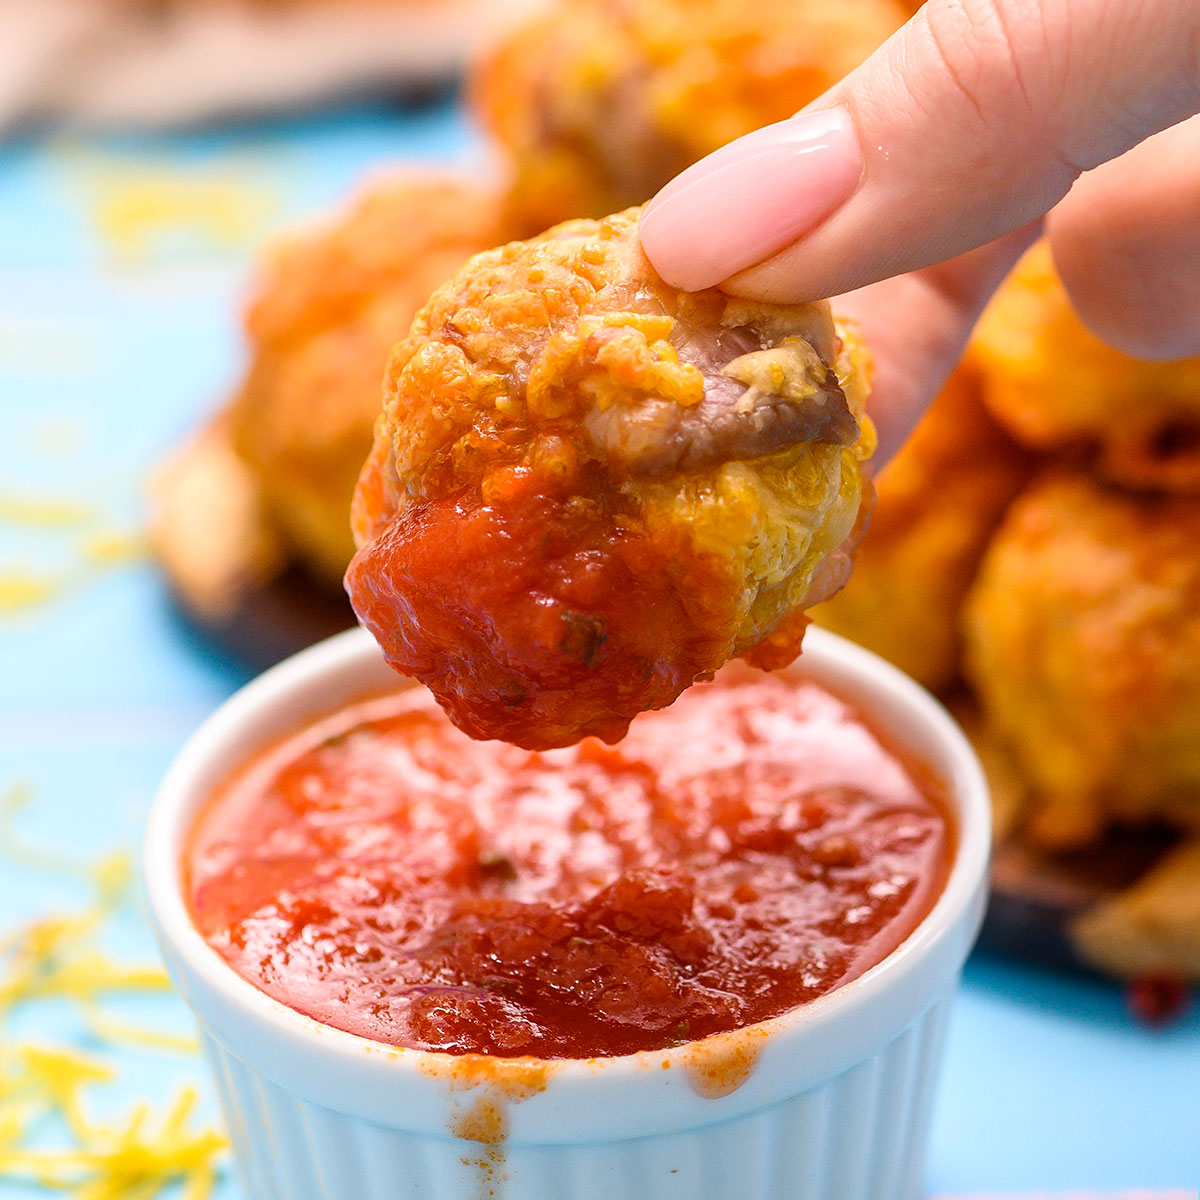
x=917 y=327
x=1126 y=243
x=971 y=121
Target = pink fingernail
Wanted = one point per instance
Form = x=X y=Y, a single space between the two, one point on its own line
x=751 y=198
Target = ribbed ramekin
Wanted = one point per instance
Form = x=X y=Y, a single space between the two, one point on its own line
x=830 y=1101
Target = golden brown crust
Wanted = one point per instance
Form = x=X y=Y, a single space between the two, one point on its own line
x=601 y=102
x=1008 y=792
x=560 y=410
x=938 y=502
x=1055 y=386
x=1082 y=639
x=1154 y=927
x=208 y=525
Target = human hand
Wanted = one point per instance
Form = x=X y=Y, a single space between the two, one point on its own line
x=916 y=183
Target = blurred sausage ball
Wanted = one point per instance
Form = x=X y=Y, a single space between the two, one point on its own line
x=1082 y=639
x=1055 y=386
x=939 y=501
x=601 y=102
x=327 y=308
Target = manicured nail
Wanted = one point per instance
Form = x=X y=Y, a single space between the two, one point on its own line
x=751 y=198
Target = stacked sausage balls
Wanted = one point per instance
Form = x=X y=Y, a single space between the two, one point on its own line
x=600 y=102
x=595 y=105
x=280 y=463
x=1035 y=556
x=1035 y=546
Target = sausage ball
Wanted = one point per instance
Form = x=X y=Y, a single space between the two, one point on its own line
x=327 y=309
x=1055 y=386
x=1151 y=928
x=589 y=489
x=601 y=102
x=939 y=501
x=1082 y=639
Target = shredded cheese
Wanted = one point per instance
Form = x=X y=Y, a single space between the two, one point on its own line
x=55 y=957
x=112 y=876
x=120 y=1033
x=22 y=590
x=41 y=513
x=58 y=958
x=123 y=1161
x=114 y=547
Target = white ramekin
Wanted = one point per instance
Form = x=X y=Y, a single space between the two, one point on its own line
x=836 y=1095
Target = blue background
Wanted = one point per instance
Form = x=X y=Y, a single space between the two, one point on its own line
x=118 y=331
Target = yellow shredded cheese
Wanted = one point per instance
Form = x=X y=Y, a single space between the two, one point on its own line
x=112 y=547
x=41 y=513
x=111 y=876
x=119 y=1033
x=54 y=957
x=138 y=206
x=57 y=957
x=128 y=1159
x=22 y=590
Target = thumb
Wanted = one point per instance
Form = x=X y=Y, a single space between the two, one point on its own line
x=968 y=123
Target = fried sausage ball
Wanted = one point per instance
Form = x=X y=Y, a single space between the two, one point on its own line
x=1152 y=928
x=589 y=489
x=327 y=310
x=939 y=501
x=1082 y=638
x=1055 y=386
x=601 y=102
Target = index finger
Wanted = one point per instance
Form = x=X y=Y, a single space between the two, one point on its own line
x=971 y=121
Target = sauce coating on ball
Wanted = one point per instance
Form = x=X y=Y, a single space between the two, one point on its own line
x=589 y=489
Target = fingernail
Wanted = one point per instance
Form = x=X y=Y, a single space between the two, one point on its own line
x=751 y=198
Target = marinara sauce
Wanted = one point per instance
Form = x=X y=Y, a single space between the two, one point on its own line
x=737 y=854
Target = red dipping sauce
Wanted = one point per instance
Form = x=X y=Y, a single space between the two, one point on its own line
x=739 y=853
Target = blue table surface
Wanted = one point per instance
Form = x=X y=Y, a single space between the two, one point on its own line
x=122 y=265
